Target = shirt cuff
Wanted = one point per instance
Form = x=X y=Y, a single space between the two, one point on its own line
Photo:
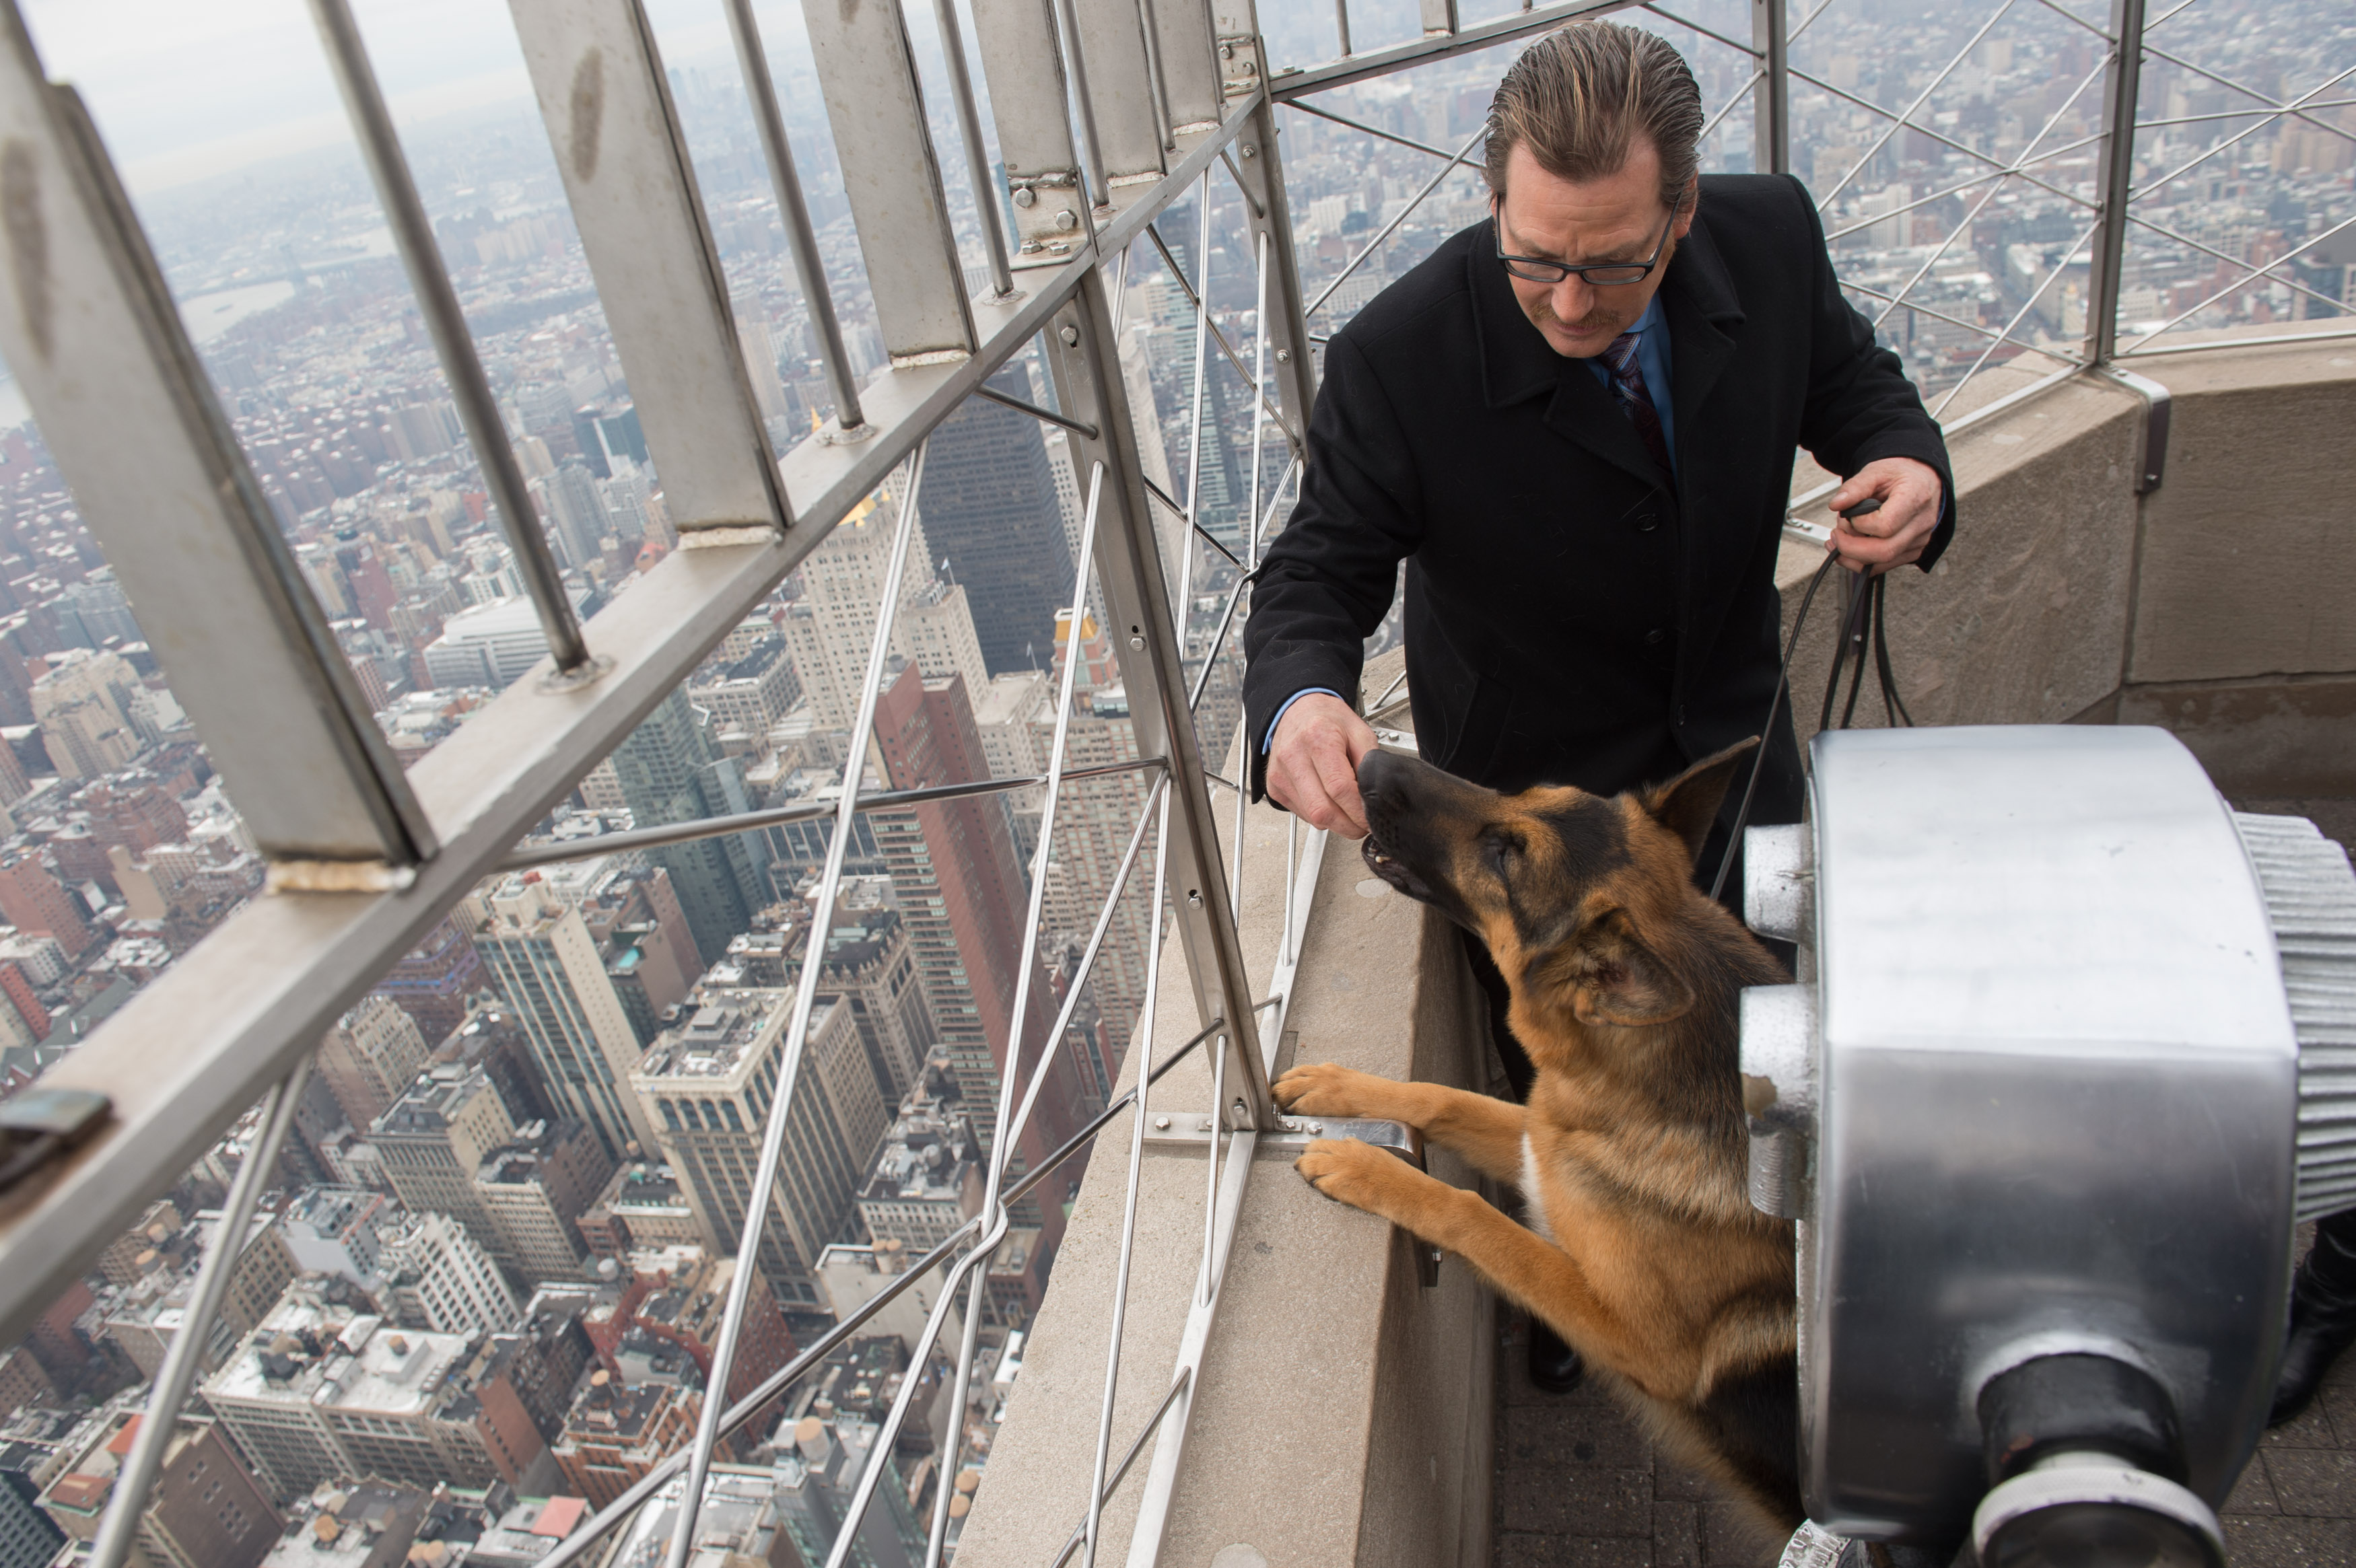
x=1269 y=739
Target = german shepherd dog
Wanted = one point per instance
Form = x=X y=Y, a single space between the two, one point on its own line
x=1641 y=1247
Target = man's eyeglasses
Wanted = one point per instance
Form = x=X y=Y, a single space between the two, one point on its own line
x=1603 y=274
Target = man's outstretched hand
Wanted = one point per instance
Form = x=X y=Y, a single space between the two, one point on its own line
x=1312 y=767
x=1901 y=531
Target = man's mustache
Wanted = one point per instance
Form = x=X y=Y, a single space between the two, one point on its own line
x=1592 y=321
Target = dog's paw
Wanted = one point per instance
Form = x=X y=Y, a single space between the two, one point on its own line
x=1354 y=1173
x=1326 y=1090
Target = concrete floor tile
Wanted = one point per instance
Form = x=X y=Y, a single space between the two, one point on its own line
x=2313 y=1481
x=2253 y=1493
x=1578 y=1502
x=2313 y=1429
x=1677 y=1535
x=1671 y=1479
x=1729 y=1539
x=1525 y=1551
x=2290 y=1542
x=1572 y=1434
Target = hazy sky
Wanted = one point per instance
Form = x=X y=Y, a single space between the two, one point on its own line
x=185 y=88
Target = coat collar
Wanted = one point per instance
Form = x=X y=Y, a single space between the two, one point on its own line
x=1696 y=295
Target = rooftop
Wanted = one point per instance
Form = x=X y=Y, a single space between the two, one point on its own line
x=329 y=1356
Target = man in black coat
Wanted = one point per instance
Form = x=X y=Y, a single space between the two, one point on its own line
x=1590 y=593
x=1576 y=423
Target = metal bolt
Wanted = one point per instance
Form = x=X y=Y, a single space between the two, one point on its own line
x=1316 y=1127
x=1068 y=221
x=1243 y=1115
x=1137 y=642
x=1284 y=356
x=1162 y=1122
x=1071 y=336
x=1195 y=898
x=1024 y=196
x=1226 y=51
x=1031 y=247
x=1250 y=150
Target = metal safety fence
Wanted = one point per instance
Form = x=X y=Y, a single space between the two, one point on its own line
x=1149 y=106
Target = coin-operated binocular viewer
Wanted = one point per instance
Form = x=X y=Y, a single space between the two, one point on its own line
x=2072 y=1052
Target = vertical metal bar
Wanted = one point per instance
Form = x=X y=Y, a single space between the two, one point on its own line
x=623 y=156
x=1029 y=99
x=976 y=151
x=801 y=239
x=763 y=1191
x=1189 y=56
x=2115 y=179
x=1143 y=1044
x=1261 y=176
x=892 y=176
x=1096 y=196
x=1129 y=573
x=1146 y=30
x=119 y=1527
x=1438 y=18
x=1122 y=105
x=1002 y=1150
x=1771 y=135
x=1185 y=604
x=446 y=325
x=130 y=418
x=1341 y=23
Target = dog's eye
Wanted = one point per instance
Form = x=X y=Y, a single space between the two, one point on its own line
x=1501 y=852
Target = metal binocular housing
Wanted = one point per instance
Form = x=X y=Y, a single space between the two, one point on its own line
x=2071 y=1052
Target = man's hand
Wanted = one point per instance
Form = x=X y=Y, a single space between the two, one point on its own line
x=1312 y=767
x=1899 y=533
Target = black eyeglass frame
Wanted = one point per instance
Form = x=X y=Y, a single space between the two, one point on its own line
x=1558 y=272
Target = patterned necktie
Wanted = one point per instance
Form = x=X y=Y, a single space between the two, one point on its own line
x=1628 y=380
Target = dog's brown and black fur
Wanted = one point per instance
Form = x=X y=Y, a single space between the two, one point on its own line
x=1641 y=1246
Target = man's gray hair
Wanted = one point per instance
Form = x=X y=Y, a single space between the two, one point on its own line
x=1580 y=96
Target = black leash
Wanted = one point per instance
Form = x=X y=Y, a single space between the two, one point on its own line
x=1865 y=624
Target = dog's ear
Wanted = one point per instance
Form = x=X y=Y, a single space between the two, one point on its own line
x=1614 y=978
x=1688 y=803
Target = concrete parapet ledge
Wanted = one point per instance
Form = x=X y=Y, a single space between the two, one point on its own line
x=2221 y=606
x=1346 y=1411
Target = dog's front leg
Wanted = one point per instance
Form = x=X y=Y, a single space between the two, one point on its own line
x=1485 y=1131
x=1516 y=1261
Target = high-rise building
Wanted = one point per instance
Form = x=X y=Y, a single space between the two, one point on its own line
x=370 y=1058
x=615 y=1433
x=431 y=983
x=671 y=770
x=829 y=630
x=961 y=896
x=538 y=951
x=336 y=1230
x=535 y=1190
x=323 y=1393
x=926 y=1181
x=434 y=1140
x=206 y=1509
x=871 y=966
x=30 y=1538
x=435 y=1276
x=34 y=901
x=641 y=1206
x=989 y=509
x=815 y=1483
x=707 y=1084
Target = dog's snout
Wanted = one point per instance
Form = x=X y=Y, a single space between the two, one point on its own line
x=1382 y=776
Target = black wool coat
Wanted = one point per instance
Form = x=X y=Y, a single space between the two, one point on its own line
x=1574 y=615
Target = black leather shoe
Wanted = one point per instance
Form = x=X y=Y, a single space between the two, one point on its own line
x=2322 y=1321
x=1555 y=1367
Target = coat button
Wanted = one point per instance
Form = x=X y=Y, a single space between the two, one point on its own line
x=1656 y=636
x=1647 y=523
